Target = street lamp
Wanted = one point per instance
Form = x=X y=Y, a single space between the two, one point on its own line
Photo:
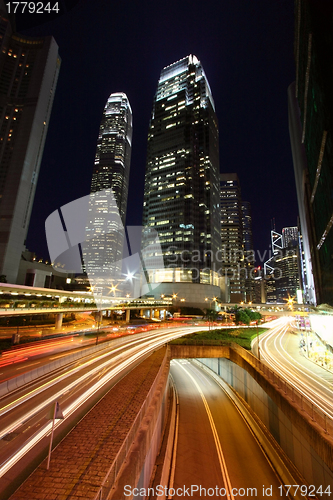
x=99 y=313
x=214 y=299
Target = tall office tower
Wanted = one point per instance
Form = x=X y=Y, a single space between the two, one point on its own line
x=181 y=197
x=233 y=263
x=29 y=70
x=247 y=226
x=311 y=134
x=282 y=270
x=290 y=236
x=109 y=188
x=249 y=257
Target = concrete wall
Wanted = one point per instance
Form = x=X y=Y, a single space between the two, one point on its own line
x=286 y=433
x=140 y=460
x=301 y=437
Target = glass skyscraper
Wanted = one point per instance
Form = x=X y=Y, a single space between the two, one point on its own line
x=181 y=198
x=113 y=153
x=109 y=191
x=232 y=235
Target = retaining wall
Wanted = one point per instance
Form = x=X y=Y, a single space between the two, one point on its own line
x=302 y=438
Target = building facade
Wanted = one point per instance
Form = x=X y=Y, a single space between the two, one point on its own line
x=29 y=70
x=282 y=270
x=104 y=248
x=249 y=254
x=181 y=198
x=233 y=262
x=310 y=102
x=237 y=263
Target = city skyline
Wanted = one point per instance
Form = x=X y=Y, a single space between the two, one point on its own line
x=255 y=141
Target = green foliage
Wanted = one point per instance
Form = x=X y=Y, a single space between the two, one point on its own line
x=6 y=303
x=241 y=336
x=211 y=314
x=253 y=315
x=242 y=317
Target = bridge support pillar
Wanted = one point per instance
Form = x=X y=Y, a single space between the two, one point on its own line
x=128 y=315
x=58 y=321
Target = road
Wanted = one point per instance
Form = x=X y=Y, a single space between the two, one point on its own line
x=279 y=348
x=25 y=414
x=215 y=448
x=29 y=356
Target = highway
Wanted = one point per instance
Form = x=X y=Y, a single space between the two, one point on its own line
x=279 y=349
x=25 y=415
x=28 y=356
x=215 y=448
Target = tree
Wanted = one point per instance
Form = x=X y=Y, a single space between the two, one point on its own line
x=242 y=317
x=211 y=314
x=253 y=315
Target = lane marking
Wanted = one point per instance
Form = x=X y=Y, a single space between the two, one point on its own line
x=26 y=366
x=220 y=454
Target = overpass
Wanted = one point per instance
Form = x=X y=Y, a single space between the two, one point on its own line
x=21 y=300
x=18 y=300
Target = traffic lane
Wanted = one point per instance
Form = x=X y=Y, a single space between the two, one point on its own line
x=42 y=383
x=197 y=460
x=19 y=361
x=33 y=410
x=293 y=369
x=54 y=385
x=246 y=464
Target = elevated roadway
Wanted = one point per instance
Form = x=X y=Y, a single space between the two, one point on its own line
x=279 y=349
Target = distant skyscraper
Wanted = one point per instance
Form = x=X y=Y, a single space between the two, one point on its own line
x=232 y=235
x=282 y=270
x=249 y=256
x=236 y=239
x=290 y=236
x=111 y=172
x=181 y=199
x=247 y=226
x=29 y=70
x=113 y=154
x=311 y=134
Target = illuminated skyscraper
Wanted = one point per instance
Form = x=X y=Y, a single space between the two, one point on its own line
x=232 y=236
x=109 y=188
x=181 y=198
x=282 y=269
x=29 y=70
x=113 y=154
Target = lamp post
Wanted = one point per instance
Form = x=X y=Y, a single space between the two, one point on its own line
x=258 y=347
x=99 y=313
x=214 y=299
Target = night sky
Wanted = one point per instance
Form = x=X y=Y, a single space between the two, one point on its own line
x=106 y=46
